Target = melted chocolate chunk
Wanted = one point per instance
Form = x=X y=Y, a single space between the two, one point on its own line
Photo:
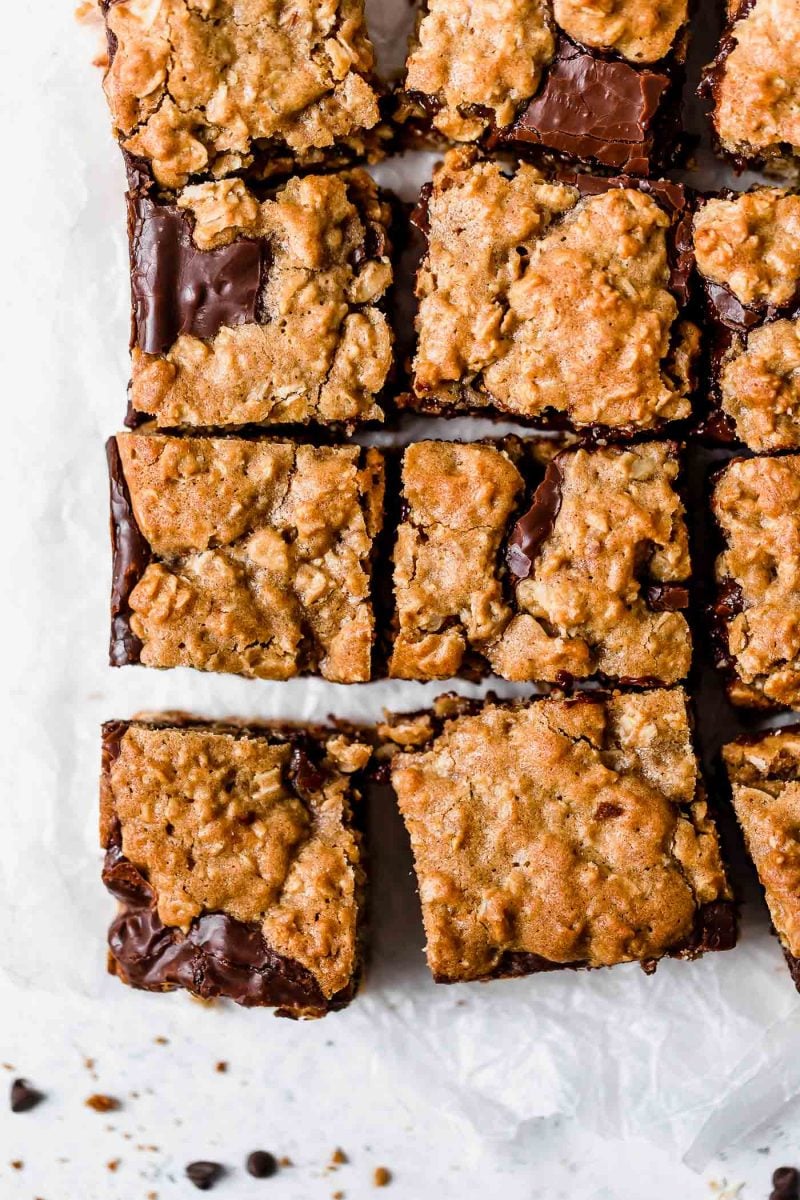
x=793 y=964
x=667 y=597
x=24 y=1097
x=305 y=775
x=179 y=289
x=715 y=928
x=204 y=1174
x=593 y=107
x=130 y=556
x=785 y=1184
x=730 y=600
x=219 y=956
x=536 y=525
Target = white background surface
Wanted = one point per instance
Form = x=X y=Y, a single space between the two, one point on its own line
x=516 y=1089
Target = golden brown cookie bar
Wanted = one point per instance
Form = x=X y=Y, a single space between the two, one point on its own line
x=594 y=81
x=764 y=774
x=754 y=83
x=247 y=556
x=747 y=251
x=558 y=303
x=756 y=504
x=559 y=832
x=266 y=311
x=211 y=88
x=235 y=854
x=577 y=572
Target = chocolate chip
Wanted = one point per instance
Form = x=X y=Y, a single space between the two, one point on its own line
x=261 y=1164
x=23 y=1096
x=204 y=1174
x=785 y=1184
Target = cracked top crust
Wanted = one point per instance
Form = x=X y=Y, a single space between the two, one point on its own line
x=575 y=831
x=757 y=89
x=482 y=62
x=750 y=244
x=261 y=554
x=757 y=506
x=213 y=87
x=759 y=384
x=320 y=349
x=536 y=300
x=618 y=525
x=765 y=782
x=211 y=821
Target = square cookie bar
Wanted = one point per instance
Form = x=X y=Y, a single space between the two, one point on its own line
x=260 y=310
x=578 y=572
x=235 y=855
x=756 y=504
x=559 y=832
x=747 y=251
x=754 y=85
x=209 y=88
x=557 y=303
x=764 y=774
x=247 y=556
x=596 y=82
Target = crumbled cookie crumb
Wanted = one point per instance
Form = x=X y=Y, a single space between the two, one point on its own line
x=101 y=1103
x=381 y=1177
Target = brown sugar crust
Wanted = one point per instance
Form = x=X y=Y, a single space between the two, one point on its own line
x=261 y=554
x=448 y=590
x=764 y=773
x=480 y=64
x=321 y=349
x=750 y=244
x=570 y=831
x=214 y=825
x=756 y=504
x=759 y=382
x=756 y=85
x=202 y=87
x=535 y=299
x=583 y=609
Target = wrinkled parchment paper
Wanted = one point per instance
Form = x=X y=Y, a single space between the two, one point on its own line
x=692 y=1058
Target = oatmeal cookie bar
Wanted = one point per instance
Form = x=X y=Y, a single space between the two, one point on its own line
x=747 y=251
x=260 y=310
x=754 y=84
x=764 y=774
x=559 y=832
x=555 y=302
x=756 y=504
x=236 y=859
x=599 y=82
x=575 y=572
x=210 y=88
x=247 y=556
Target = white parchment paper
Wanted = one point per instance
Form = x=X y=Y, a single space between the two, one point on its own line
x=693 y=1057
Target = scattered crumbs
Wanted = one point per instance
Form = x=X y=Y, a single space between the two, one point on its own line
x=285 y=1161
x=161 y=1041
x=338 y=1158
x=113 y=1164
x=148 y=1149
x=100 y=60
x=337 y=1196
x=724 y=1190
x=17 y=1164
x=381 y=1177
x=221 y=1066
x=89 y=1064
x=152 y=1196
x=9 y=1067
x=101 y=1103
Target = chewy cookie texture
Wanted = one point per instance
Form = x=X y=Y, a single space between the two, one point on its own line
x=260 y=310
x=597 y=81
x=756 y=504
x=754 y=83
x=559 y=833
x=583 y=575
x=235 y=857
x=559 y=303
x=201 y=88
x=247 y=556
x=764 y=774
